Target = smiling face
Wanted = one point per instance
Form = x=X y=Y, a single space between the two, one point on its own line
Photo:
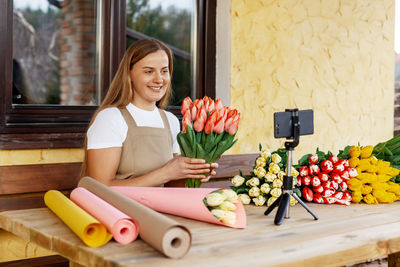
x=150 y=79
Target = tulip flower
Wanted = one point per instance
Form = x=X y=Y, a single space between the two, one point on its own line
x=212 y=129
x=219 y=125
x=211 y=122
x=186 y=121
x=200 y=120
x=218 y=104
x=193 y=112
x=186 y=104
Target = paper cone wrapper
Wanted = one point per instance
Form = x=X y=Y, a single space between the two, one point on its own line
x=122 y=227
x=184 y=202
x=87 y=228
x=162 y=233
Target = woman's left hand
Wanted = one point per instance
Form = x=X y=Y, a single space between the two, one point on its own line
x=212 y=172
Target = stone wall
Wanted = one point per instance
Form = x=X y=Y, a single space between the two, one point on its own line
x=333 y=56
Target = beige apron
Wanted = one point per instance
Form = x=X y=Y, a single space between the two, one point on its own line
x=145 y=148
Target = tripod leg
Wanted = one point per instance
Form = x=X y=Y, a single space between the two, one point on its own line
x=283 y=206
x=273 y=205
x=305 y=206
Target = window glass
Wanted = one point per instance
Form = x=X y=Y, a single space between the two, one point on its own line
x=174 y=23
x=54 y=52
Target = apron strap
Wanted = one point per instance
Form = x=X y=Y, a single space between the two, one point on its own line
x=166 y=124
x=130 y=121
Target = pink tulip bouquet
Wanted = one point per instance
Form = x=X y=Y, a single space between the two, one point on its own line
x=208 y=130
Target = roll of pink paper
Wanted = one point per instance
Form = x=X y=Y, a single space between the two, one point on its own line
x=185 y=202
x=123 y=228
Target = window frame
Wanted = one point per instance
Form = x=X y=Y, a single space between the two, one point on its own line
x=55 y=126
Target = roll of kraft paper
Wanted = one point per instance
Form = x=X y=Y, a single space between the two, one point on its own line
x=122 y=227
x=164 y=234
x=87 y=228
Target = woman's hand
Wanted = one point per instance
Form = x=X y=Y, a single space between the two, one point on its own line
x=182 y=167
x=213 y=166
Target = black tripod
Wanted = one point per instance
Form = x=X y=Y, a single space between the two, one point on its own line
x=284 y=198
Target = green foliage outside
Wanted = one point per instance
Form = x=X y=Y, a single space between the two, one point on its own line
x=171 y=26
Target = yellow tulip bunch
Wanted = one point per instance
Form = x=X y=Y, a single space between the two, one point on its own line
x=372 y=184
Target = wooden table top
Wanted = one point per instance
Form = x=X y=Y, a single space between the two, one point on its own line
x=342 y=235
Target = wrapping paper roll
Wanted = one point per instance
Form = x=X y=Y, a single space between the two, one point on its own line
x=164 y=234
x=87 y=228
x=122 y=227
x=185 y=202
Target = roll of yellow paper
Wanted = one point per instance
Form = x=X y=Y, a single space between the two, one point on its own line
x=87 y=228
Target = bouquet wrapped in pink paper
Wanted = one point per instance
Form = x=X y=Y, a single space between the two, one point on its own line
x=218 y=206
x=208 y=130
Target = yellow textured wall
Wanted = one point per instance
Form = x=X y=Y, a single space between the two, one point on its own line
x=40 y=156
x=333 y=56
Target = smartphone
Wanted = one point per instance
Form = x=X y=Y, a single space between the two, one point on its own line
x=283 y=125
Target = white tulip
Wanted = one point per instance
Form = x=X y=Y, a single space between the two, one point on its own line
x=215 y=199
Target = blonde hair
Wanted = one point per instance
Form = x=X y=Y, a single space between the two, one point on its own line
x=120 y=92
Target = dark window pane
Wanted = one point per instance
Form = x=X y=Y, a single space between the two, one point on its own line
x=54 y=52
x=174 y=23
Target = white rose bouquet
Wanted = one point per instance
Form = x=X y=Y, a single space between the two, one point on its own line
x=264 y=185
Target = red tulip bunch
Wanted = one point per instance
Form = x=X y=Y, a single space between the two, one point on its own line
x=208 y=130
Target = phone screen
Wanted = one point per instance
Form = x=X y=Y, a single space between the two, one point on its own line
x=283 y=125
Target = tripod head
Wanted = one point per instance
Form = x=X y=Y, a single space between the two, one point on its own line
x=290 y=124
x=295 y=129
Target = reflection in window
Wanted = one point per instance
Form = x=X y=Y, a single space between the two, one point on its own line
x=54 y=52
x=174 y=23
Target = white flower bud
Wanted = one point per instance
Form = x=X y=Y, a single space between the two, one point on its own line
x=265 y=188
x=276 y=192
x=227 y=205
x=280 y=175
x=261 y=172
x=215 y=199
x=218 y=213
x=244 y=198
x=259 y=201
x=271 y=200
x=230 y=195
x=237 y=180
x=276 y=158
x=256 y=172
x=253 y=181
x=270 y=177
x=229 y=218
x=277 y=183
x=260 y=162
x=254 y=191
x=274 y=168
x=265 y=154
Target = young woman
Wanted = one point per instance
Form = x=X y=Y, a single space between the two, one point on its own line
x=131 y=140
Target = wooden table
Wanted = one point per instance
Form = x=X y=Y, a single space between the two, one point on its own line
x=342 y=235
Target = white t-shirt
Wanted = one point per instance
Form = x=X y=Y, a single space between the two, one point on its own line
x=109 y=128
